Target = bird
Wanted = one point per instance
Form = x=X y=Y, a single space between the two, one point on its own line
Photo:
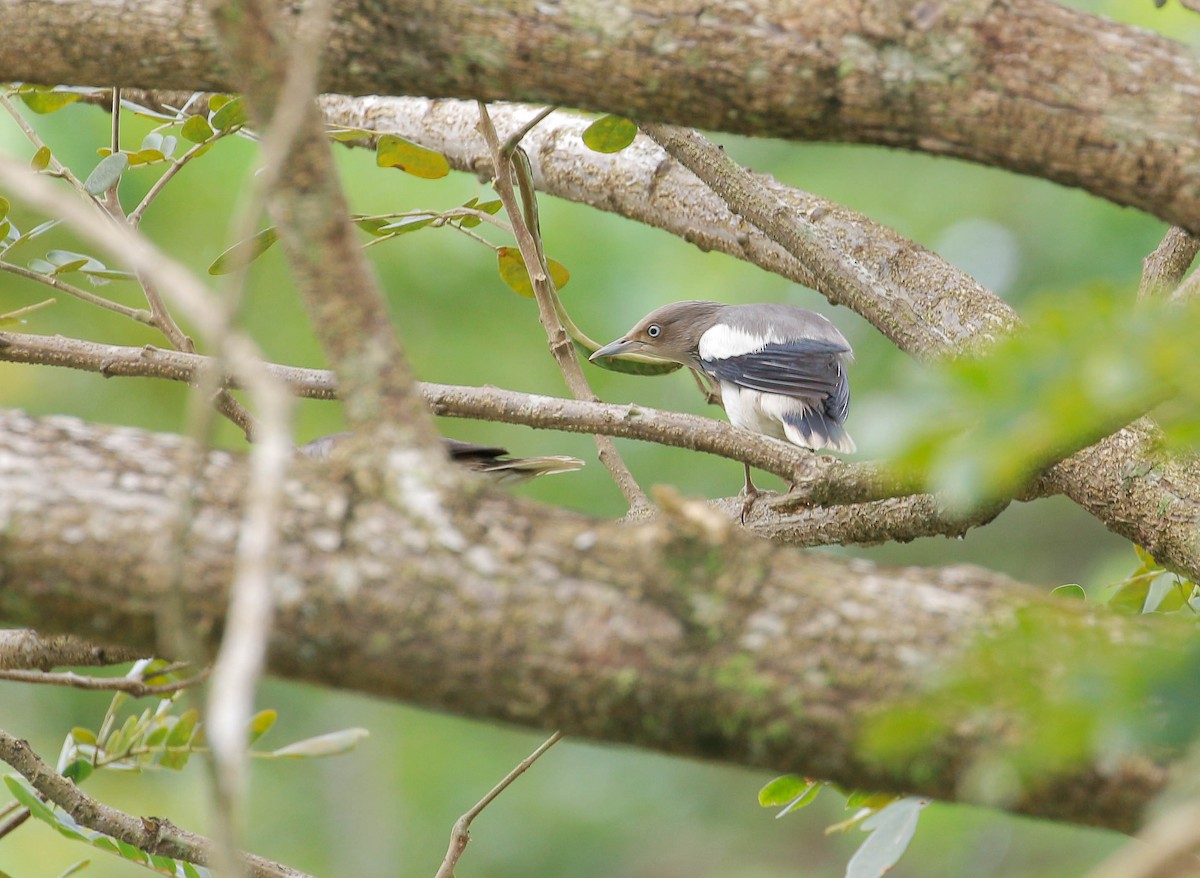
x=487 y=460
x=781 y=370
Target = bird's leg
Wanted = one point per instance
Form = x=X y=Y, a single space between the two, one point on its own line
x=710 y=388
x=749 y=494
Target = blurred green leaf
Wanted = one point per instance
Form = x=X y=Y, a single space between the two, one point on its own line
x=25 y=794
x=230 y=114
x=153 y=140
x=470 y=222
x=80 y=735
x=41 y=159
x=48 y=101
x=4 y=207
x=74 y=868
x=215 y=102
x=343 y=135
x=330 y=744
x=106 y=174
x=1071 y=590
x=609 y=134
x=243 y=253
x=261 y=723
x=790 y=791
x=407 y=224
x=196 y=129
x=396 y=152
x=512 y=272
x=1087 y=364
x=17 y=316
x=79 y=770
x=146 y=157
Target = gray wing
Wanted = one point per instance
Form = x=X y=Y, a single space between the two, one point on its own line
x=807 y=367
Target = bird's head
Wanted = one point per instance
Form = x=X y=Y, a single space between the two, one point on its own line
x=671 y=332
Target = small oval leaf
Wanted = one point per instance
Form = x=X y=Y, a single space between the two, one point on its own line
x=196 y=129
x=609 y=134
x=230 y=115
x=512 y=272
x=244 y=252
x=106 y=174
x=41 y=159
x=396 y=152
x=323 y=745
x=48 y=101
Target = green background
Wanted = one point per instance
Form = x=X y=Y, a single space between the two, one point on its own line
x=387 y=808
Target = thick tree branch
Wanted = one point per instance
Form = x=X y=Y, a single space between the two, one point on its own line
x=1013 y=84
x=24 y=649
x=683 y=634
x=929 y=308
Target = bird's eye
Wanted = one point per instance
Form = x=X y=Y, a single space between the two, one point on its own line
x=654 y=330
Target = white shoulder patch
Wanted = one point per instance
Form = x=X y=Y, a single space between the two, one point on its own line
x=721 y=342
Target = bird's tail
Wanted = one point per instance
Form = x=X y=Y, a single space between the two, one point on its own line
x=815 y=429
x=520 y=469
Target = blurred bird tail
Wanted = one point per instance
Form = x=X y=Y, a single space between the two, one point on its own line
x=521 y=469
x=813 y=428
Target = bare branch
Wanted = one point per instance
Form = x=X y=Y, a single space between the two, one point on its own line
x=129 y=686
x=461 y=833
x=528 y=238
x=1164 y=269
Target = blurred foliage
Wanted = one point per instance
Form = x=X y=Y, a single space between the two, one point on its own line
x=1089 y=362
x=386 y=807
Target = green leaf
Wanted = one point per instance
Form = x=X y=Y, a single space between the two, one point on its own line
x=244 y=252
x=407 y=224
x=74 y=868
x=79 y=770
x=106 y=174
x=48 y=101
x=396 y=152
x=80 y=735
x=343 y=135
x=512 y=272
x=261 y=723
x=41 y=159
x=609 y=134
x=790 y=791
x=4 y=207
x=891 y=831
x=189 y=871
x=153 y=140
x=196 y=129
x=185 y=726
x=146 y=157
x=41 y=266
x=24 y=794
x=13 y=317
x=39 y=229
x=229 y=115
x=215 y=102
x=168 y=145
x=323 y=745
x=370 y=224
x=782 y=790
x=1071 y=590
x=470 y=222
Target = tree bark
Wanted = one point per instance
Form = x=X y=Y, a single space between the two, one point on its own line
x=682 y=634
x=1025 y=85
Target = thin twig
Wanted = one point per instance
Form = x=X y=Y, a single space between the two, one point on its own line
x=517 y=136
x=528 y=238
x=460 y=835
x=141 y=315
x=151 y=834
x=135 y=216
x=135 y=688
x=56 y=168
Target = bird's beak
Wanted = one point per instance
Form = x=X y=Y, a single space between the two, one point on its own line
x=620 y=346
